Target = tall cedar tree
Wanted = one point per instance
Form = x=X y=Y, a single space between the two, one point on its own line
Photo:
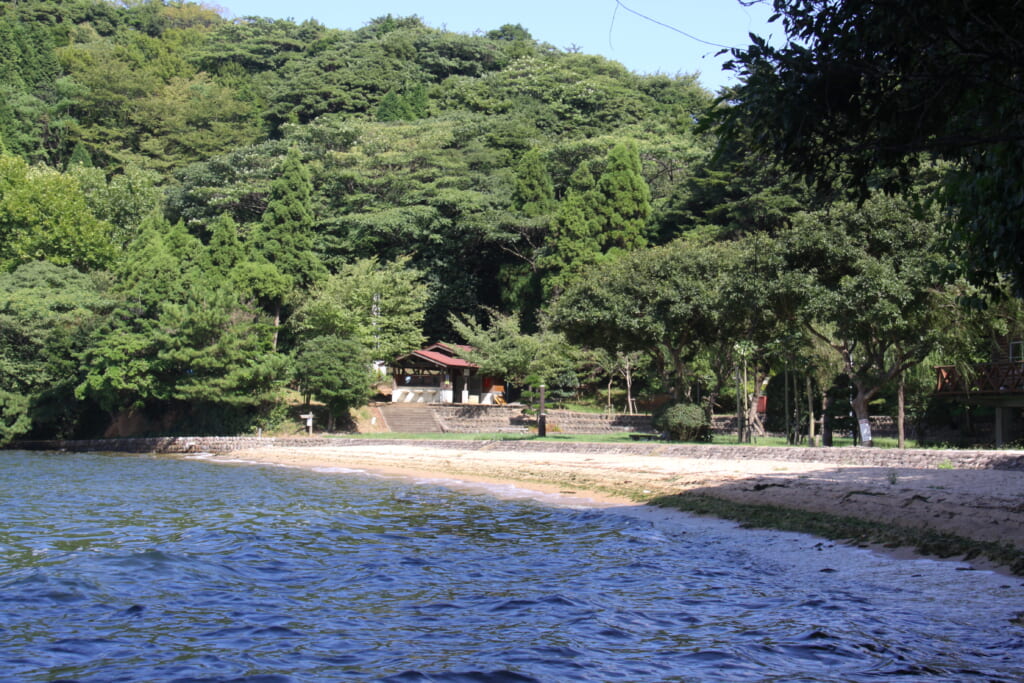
x=624 y=200
x=534 y=189
x=574 y=243
x=286 y=236
x=596 y=218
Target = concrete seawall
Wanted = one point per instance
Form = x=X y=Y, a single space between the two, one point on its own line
x=850 y=456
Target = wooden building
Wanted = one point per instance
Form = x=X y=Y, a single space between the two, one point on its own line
x=998 y=384
x=437 y=374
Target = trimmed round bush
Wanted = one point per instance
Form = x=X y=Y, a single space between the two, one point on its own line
x=684 y=422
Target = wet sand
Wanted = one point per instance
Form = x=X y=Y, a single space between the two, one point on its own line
x=977 y=504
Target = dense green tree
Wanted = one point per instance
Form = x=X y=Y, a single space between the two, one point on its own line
x=337 y=372
x=867 y=281
x=181 y=338
x=33 y=116
x=46 y=314
x=663 y=301
x=733 y=193
x=623 y=201
x=534 y=193
x=80 y=156
x=217 y=349
x=860 y=89
x=14 y=416
x=575 y=242
x=255 y=45
x=380 y=306
x=286 y=235
x=502 y=348
x=124 y=200
x=226 y=249
x=44 y=215
x=346 y=73
x=237 y=182
x=285 y=238
x=598 y=217
x=190 y=118
x=393 y=107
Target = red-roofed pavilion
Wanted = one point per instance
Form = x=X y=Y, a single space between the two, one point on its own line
x=437 y=375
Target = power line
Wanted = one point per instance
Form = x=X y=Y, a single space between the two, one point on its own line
x=619 y=4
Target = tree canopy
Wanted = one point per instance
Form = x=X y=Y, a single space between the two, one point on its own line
x=863 y=92
x=200 y=216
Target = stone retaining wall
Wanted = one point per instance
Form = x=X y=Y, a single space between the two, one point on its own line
x=851 y=456
x=474 y=419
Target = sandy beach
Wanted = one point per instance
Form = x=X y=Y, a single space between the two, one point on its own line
x=982 y=505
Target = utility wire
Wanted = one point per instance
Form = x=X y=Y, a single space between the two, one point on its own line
x=618 y=4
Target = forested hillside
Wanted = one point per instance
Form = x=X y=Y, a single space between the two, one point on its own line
x=197 y=215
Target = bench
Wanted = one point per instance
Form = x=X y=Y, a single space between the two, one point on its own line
x=644 y=436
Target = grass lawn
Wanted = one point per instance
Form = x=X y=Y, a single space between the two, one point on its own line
x=616 y=437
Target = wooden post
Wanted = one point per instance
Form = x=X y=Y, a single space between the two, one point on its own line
x=810 y=413
x=542 y=419
x=739 y=408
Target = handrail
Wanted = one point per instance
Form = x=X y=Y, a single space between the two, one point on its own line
x=984 y=378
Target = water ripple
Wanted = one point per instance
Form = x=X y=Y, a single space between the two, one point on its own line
x=116 y=568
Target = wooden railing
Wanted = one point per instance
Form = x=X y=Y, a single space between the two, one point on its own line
x=985 y=379
x=418 y=380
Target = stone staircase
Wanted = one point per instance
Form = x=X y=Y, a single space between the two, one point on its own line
x=410 y=418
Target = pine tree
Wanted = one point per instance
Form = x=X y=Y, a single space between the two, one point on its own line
x=624 y=200
x=574 y=242
x=394 y=107
x=534 y=190
x=80 y=156
x=226 y=249
x=416 y=99
x=286 y=238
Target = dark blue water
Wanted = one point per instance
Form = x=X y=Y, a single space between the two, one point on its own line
x=123 y=568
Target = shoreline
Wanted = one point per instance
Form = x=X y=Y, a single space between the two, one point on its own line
x=974 y=515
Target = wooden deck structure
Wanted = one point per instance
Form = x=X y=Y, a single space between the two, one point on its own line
x=437 y=374
x=999 y=385
x=987 y=379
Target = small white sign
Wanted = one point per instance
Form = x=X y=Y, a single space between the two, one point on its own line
x=865 y=431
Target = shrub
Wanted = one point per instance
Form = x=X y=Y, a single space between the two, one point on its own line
x=684 y=422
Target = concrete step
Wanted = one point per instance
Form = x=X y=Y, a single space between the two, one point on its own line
x=410 y=418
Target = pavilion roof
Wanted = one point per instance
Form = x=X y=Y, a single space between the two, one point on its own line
x=439 y=354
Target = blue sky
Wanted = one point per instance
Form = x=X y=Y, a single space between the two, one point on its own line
x=595 y=26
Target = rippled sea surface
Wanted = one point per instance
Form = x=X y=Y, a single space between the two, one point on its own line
x=127 y=568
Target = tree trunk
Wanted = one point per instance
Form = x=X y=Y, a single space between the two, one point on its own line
x=628 y=376
x=785 y=405
x=826 y=419
x=277 y=322
x=860 y=411
x=740 y=432
x=796 y=410
x=754 y=423
x=810 y=414
x=901 y=413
